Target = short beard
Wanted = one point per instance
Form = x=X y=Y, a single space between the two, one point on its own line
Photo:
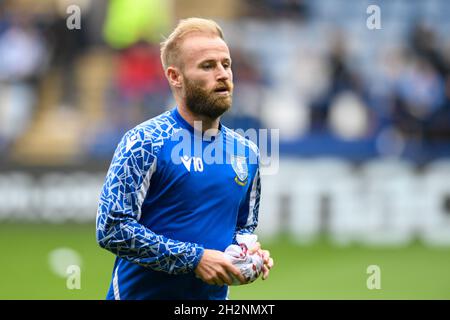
x=203 y=103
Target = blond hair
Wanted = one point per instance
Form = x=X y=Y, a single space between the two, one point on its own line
x=170 y=47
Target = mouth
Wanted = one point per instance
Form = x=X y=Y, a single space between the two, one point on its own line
x=222 y=91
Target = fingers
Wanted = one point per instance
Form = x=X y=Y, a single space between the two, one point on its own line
x=220 y=277
x=270 y=263
x=265 y=272
x=208 y=276
x=214 y=280
x=255 y=248
x=225 y=278
x=215 y=269
x=266 y=269
x=266 y=256
x=235 y=271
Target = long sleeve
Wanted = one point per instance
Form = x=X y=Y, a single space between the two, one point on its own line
x=117 y=227
x=248 y=212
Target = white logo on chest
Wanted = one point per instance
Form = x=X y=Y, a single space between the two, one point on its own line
x=197 y=162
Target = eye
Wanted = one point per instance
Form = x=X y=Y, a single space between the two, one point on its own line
x=226 y=65
x=206 y=66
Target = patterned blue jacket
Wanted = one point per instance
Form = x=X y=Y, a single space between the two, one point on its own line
x=169 y=194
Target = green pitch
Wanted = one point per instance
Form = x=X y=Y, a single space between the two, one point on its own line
x=319 y=271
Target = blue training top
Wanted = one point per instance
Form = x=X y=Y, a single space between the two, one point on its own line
x=169 y=194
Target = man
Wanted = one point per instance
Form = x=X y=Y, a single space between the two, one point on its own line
x=169 y=216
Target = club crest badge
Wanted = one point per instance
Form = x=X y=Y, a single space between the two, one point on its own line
x=239 y=165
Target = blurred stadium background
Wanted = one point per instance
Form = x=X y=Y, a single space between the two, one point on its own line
x=364 y=119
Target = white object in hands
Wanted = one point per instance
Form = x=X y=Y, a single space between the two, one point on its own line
x=250 y=265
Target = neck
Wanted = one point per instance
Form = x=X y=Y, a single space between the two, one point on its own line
x=191 y=118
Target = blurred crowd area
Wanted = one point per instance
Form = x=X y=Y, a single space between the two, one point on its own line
x=312 y=69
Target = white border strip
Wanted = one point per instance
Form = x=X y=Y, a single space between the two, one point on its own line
x=252 y=200
x=144 y=187
x=116 y=284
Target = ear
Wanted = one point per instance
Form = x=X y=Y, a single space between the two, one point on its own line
x=174 y=76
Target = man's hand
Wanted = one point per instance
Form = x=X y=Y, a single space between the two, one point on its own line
x=268 y=261
x=215 y=269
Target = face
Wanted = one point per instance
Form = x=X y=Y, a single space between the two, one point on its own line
x=207 y=79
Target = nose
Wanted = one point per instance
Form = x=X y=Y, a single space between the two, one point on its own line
x=222 y=73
